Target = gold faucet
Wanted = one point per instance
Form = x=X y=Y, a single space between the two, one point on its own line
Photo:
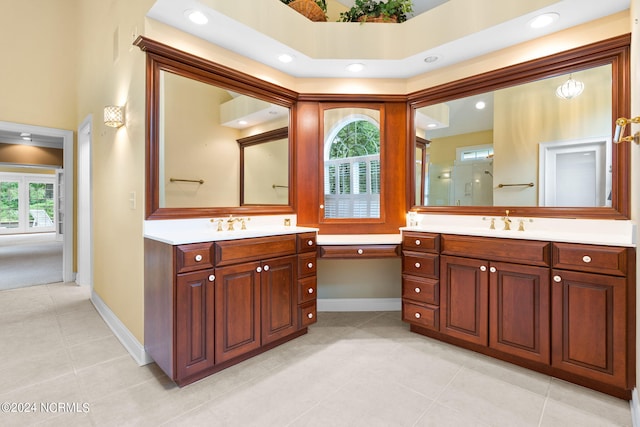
x=507 y=221
x=493 y=224
x=521 y=226
x=230 y=222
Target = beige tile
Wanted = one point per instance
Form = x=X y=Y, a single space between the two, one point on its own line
x=80 y=325
x=92 y=352
x=367 y=401
x=588 y=401
x=17 y=373
x=45 y=398
x=492 y=400
x=557 y=414
x=441 y=416
x=103 y=379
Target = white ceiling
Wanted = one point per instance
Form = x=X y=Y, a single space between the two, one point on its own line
x=233 y=35
x=14 y=137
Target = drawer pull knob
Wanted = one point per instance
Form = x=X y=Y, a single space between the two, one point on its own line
x=310 y=242
x=417 y=315
x=417 y=265
x=586 y=258
x=198 y=258
x=310 y=290
x=310 y=316
x=310 y=265
x=417 y=290
x=483 y=268
x=360 y=251
x=492 y=269
x=557 y=279
x=418 y=242
x=266 y=268
x=259 y=269
x=212 y=277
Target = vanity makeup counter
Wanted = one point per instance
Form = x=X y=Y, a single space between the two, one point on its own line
x=558 y=297
x=215 y=298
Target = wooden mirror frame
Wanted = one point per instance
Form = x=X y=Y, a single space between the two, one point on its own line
x=614 y=51
x=161 y=57
x=261 y=138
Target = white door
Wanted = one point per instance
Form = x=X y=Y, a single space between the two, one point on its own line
x=575 y=173
x=85 y=258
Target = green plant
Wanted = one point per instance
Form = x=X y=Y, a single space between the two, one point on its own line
x=321 y=3
x=364 y=9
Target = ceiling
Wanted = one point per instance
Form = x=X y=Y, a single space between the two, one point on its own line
x=247 y=36
x=11 y=137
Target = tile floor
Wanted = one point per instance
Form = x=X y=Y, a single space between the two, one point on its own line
x=351 y=369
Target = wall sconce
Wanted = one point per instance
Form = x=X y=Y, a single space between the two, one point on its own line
x=114 y=116
x=621 y=123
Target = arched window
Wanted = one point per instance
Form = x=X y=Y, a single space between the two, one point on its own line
x=352 y=169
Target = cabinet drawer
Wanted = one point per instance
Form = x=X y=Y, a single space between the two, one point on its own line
x=306 y=242
x=307 y=264
x=195 y=256
x=531 y=252
x=307 y=289
x=420 y=242
x=590 y=258
x=243 y=250
x=307 y=313
x=421 y=315
x=420 y=264
x=421 y=289
x=359 y=251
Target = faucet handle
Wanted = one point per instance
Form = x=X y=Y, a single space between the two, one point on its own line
x=493 y=224
x=521 y=226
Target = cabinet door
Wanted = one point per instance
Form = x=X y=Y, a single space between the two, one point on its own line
x=519 y=310
x=464 y=293
x=279 y=298
x=588 y=325
x=237 y=310
x=194 y=323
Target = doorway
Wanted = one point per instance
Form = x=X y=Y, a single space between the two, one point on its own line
x=63 y=225
x=575 y=173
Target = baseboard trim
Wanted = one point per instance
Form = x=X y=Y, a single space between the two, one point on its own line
x=359 y=304
x=635 y=408
x=130 y=343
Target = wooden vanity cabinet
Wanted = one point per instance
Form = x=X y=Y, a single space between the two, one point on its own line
x=564 y=309
x=211 y=305
x=420 y=279
x=594 y=314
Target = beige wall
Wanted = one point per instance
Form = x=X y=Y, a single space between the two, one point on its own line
x=38 y=72
x=30 y=155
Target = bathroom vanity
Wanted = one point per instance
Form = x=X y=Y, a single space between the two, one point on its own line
x=215 y=299
x=562 y=308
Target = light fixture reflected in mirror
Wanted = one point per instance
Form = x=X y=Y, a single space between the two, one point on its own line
x=114 y=116
x=570 y=89
x=621 y=123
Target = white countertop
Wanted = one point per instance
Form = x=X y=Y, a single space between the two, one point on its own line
x=359 y=239
x=587 y=231
x=197 y=230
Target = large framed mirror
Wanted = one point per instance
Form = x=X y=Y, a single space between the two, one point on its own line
x=196 y=113
x=534 y=138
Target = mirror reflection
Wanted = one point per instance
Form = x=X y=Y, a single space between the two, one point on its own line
x=543 y=143
x=199 y=156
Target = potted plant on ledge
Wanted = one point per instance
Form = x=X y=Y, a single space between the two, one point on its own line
x=378 y=11
x=315 y=10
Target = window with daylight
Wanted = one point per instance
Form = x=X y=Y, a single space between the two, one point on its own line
x=352 y=164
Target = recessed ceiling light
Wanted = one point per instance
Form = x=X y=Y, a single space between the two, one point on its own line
x=431 y=125
x=23 y=134
x=544 y=20
x=242 y=122
x=480 y=105
x=356 y=67
x=431 y=59
x=196 y=16
x=285 y=58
